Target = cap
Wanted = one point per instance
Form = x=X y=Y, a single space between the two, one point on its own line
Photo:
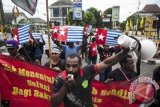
x=12 y=44
x=56 y=50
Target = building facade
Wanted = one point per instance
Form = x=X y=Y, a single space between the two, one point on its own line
x=38 y=24
x=59 y=11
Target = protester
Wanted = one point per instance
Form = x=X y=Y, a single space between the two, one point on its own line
x=125 y=72
x=12 y=47
x=56 y=63
x=104 y=53
x=92 y=52
x=85 y=43
x=73 y=86
x=58 y=43
x=27 y=50
x=71 y=48
x=156 y=77
x=38 y=49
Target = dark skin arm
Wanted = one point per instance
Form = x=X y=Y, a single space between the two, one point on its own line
x=111 y=60
x=34 y=40
x=43 y=40
x=58 y=97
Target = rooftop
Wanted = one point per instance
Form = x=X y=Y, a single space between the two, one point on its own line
x=62 y=2
x=150 y=8
x=37 y=20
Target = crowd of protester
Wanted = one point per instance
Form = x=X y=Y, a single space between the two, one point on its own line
x=66 y=57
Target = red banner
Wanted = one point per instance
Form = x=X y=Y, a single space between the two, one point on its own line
x=29 y=85
x=115 y=94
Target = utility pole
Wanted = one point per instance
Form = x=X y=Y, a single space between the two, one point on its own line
x=61 y=16
x=1 y=17
x=137 y=16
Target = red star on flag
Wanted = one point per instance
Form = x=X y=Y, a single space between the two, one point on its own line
x=15 y=37
x=55 y=32
x=101 y=36
x=93 y=48
x=15 y=33
x=63 y=33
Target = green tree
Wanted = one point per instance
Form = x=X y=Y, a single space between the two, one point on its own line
x=97 y=15
x=89 y=18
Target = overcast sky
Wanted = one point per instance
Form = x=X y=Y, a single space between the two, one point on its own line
x=127 y=7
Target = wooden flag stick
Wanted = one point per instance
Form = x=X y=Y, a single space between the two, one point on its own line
x=49 y=45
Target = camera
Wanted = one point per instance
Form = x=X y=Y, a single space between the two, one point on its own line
x=70 y=76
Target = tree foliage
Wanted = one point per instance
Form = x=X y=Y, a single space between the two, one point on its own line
x=97 y=16
x=89 y=18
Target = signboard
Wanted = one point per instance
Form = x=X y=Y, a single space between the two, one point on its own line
x=115 y=13
x=106 y=19
x=77 y=9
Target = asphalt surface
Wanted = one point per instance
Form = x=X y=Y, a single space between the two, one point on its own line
x=146 y=69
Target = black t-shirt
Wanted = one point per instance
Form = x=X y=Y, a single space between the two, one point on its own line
x=60 y=64
x=80 y=94
x=28 y=52
x=117 y=75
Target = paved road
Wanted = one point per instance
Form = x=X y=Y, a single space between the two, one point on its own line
x=146 y=69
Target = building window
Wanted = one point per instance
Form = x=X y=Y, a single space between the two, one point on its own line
x=55 y=12
x=64 y=11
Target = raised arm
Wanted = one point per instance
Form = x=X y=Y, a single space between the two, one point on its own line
x=43 y=41
x=111 y=60
x=31 y=36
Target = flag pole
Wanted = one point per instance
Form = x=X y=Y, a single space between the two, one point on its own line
x=49 y=45
x=1 y=17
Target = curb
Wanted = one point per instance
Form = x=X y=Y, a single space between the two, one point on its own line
x=154 y=62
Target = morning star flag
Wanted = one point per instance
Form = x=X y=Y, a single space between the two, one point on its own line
x=37 y=35
x=23 y=33
x=112 y=36
x=55 y=32
x=27 y=5
x=101 y=36
x=74 y=34
x=62 y=35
